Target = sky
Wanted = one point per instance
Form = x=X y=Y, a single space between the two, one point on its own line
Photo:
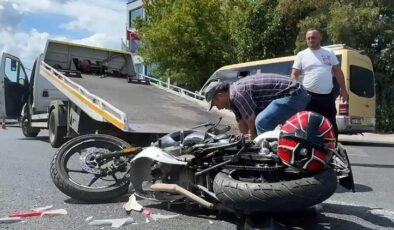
x=25 y=25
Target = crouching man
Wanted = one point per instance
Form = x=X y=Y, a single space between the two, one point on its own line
x=260 y=102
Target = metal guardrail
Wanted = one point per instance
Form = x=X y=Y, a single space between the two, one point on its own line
x=174 y=88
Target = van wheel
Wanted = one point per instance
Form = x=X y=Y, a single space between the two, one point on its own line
x=27 y=130
x=56 y=133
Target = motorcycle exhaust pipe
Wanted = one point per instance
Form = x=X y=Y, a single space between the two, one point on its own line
x=178 y=189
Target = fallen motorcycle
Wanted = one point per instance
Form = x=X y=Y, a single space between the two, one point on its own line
x=289 y=169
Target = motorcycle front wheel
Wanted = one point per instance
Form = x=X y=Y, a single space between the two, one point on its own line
x=78 y=173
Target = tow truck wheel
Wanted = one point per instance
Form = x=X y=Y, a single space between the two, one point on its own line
x=56 y=133
x=27 y=130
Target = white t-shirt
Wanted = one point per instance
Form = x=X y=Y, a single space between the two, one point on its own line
x=316 y=68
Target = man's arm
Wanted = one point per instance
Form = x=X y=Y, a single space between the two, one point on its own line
x=336 y=70
x=297 y=66
x=295 y=73
x=250 y=122
x=243 y=127
x=248 y=127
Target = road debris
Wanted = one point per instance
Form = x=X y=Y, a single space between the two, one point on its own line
x=39 y=213
x=115 y=223
x=160 y=216
x=43 y=208
x=9 y=220
x=89 y=218
x=132 y=204
x=147 y=212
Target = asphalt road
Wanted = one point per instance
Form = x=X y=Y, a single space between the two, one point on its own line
x=25 y=184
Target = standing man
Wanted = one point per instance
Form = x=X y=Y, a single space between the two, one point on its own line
x=318 y=65
x=260 y=102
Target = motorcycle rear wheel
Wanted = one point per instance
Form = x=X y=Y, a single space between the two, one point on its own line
x=75 y=172
x=286 y=195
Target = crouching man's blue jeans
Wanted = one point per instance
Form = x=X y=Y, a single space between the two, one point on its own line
x=281 y=109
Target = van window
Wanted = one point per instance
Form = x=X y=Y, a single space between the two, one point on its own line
x=362 y=81
x=283 y=68
x=227 y=75
x=339 y=58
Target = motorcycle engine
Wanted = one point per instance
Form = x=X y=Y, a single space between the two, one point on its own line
x=149 y=172
x=172 y=174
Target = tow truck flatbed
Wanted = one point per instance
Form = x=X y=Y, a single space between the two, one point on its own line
x=149 y=109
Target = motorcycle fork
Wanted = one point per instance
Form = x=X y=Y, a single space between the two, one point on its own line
x=348 y=181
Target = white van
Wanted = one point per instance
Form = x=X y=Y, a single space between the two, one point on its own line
x=355 y=116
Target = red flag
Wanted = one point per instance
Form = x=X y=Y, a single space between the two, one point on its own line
x=132 y=35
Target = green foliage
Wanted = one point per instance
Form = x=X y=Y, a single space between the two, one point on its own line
x=188 y=39
x=263 y=32
x=354 y=25
x=385 y=89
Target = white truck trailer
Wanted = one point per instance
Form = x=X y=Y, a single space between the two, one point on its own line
x=76 y=89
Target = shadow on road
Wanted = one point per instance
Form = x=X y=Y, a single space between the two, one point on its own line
x=40 y=138
x=358 y=187
x=122 y=199
x=374 y=165
x=196 y=212
x=369 y=144
x=356 y=217
x=334 y=216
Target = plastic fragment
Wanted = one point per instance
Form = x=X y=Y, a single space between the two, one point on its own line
x=8 y=220
x=210 y=222
x=89 y=218
x=160 y=216
x=43 y=208
x=132 y=204
x=147 y=220
x=39 y=213
x=26 y=214
x=147 y=212
x=54 y=212
x=115 y=223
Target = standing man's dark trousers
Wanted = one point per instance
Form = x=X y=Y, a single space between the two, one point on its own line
x=325 y=105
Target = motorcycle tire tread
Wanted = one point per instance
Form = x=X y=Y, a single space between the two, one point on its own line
x=274 y=197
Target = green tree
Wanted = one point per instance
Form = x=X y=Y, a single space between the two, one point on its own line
x=188 y=39
x=263 y=32
x=352 y=22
